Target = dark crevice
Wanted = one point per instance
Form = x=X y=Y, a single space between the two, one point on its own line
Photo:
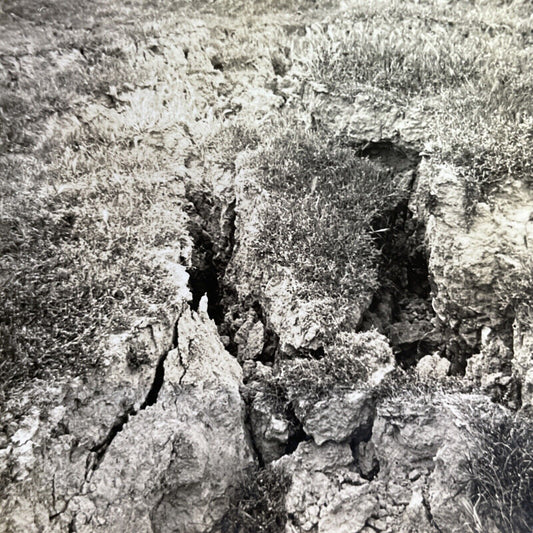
x=205 y=282
x=212 y=228
x=371 y=474
x=389 y=155
x=401 y=308
x=270 y=347
x=280 y=407
x=316 y=353
x=362 y=434
x=159 y=378
x=217 y=63
x=97 y=452
x=250 y=432
x=296 y=430
x=431 y=519
x=370 y=469
x=270 y=351
x=297 y=436
x=204 y=278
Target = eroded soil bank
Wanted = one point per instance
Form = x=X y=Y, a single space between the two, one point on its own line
x=246 y=288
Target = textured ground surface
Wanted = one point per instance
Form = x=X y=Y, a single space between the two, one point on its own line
x=265 y=266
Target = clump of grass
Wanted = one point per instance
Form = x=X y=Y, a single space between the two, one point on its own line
x=495 y=463
x=500 y=473
x=323 y=199
x=258 y=503
x=227 y=142
x=345 y=365
x=405 y=387
x=315 y=379
x=487 y=151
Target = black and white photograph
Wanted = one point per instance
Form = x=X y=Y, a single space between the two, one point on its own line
x=266 y=266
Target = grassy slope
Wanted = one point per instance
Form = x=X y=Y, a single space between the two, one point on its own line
x=83 y=200
x=101 y=106
x=79 y=210
x=85 y=196
x=468 y=63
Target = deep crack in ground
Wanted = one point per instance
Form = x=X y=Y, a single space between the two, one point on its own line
x=98 y=452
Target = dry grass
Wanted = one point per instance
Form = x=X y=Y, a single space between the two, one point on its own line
x=495 y=460
x=94 y=138
x=500 y=473
x=86 y=199
x=467 y=63
x=346 y=365
x=258 y=503
x=323 y=200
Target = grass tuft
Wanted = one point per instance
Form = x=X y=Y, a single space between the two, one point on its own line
x=258 y=503
x=466 y=64
x=322 y=201
x=500 y=472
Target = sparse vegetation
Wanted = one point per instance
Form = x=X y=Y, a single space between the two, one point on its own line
x=258 y=503
x=93 y=140
x=77 y=270
x=225 y=144
x=346 y=365
x=405 y=387
x=315 y=379
x=85 y=204
x=515 y=290
x=495 y=463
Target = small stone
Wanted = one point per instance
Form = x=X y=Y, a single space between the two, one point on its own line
x=313 y=511
x=433 y=366
x=377 y=524
x=400 y=495
x=308 y=526
x=414 y=474
x=225 y=339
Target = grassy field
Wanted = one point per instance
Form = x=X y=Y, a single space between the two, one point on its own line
x=95 y=138
x=467 y=63
x=102 y=107
x=108 y=109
